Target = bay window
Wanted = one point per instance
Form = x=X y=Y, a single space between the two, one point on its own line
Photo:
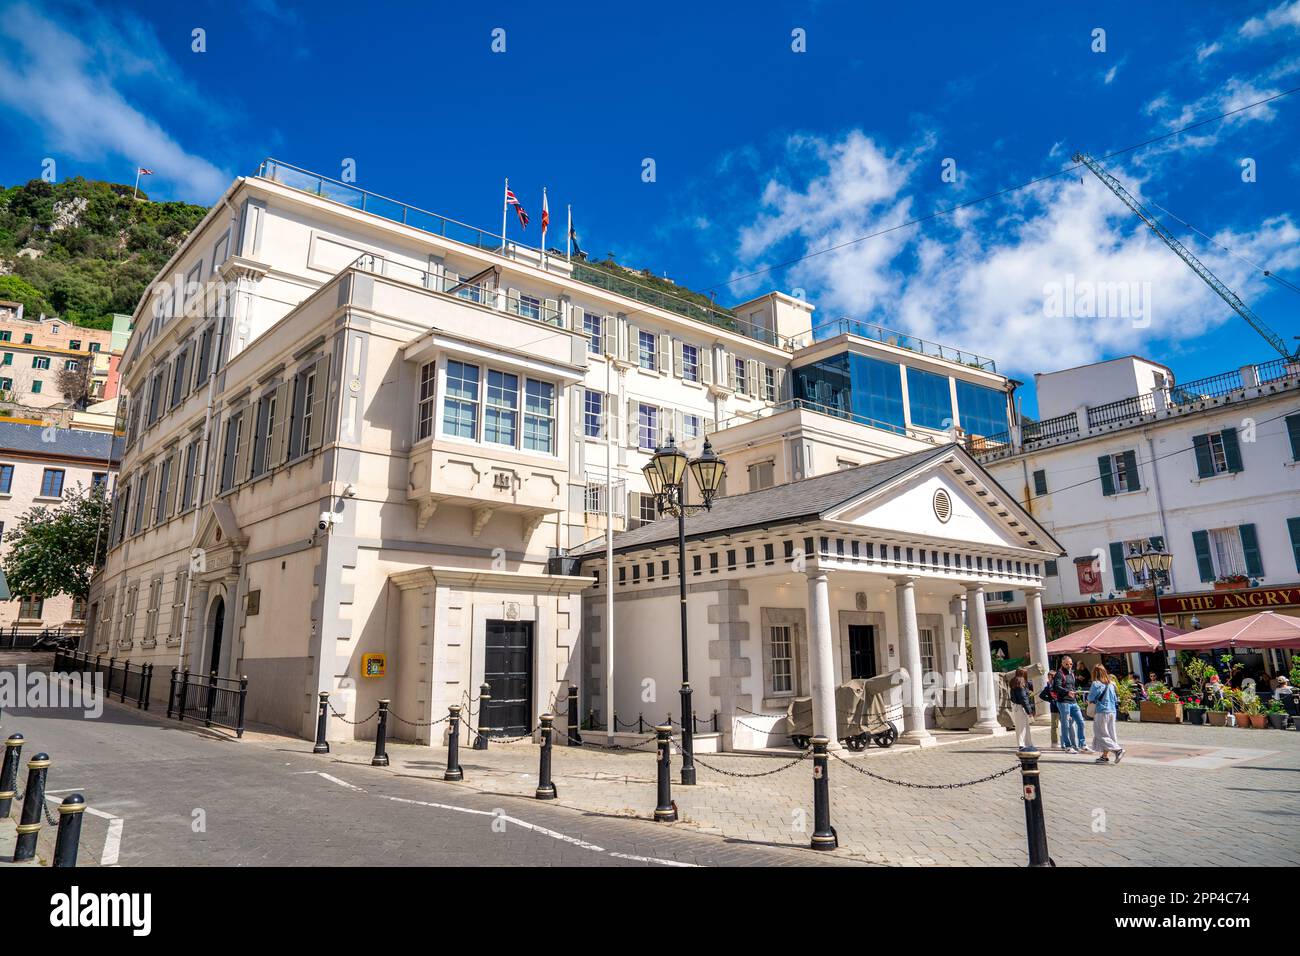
x=539 y=416
x=460 y=407
x=501 y=411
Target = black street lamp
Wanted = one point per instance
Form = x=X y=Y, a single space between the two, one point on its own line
x=1154 y=563
x=666 y=475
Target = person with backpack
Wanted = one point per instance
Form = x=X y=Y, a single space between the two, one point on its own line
x=1047 y=697
x=1065 y=691
x=1103 y=696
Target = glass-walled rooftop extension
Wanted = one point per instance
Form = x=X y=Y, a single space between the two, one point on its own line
x=896 y=397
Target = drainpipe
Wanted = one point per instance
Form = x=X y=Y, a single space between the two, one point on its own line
x=1160 y=502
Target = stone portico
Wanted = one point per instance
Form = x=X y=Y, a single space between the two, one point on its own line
x=795 y=589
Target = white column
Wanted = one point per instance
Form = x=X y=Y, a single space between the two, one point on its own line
x=1037 y=644
x=821 y=656
x=909 y=639
x=986 y=721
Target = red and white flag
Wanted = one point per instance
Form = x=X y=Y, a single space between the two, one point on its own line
x=546 y=215
x=141 y=171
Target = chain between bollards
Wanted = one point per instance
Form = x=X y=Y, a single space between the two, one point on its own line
x=665 y=809
x=29 y=827
x=824 y=836
x=453 y=771
x=71 y=812
x=9 y=774
x=380 y=758
x=545 y=788
x=322 y=746
x=484 y=698
x=1035 y=828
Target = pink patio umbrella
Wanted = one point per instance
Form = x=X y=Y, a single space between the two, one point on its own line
x=1115 y=635
x=1265 y=629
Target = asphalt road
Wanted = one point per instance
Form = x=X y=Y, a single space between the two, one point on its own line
x=161 y=794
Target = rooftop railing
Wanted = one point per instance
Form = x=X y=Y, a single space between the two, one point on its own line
x=902 y=340
x=394 y=210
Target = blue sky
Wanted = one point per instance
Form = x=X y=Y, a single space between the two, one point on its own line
x=762 y=154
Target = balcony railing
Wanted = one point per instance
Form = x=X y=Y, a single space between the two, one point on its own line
x=902 y=340
x=449 y=283
x=1215 y=386
x=1122 y=410
x=1062 y=426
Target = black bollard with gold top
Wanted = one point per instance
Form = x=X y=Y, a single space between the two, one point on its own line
x=29 y=827
x=65 y=845
x=1035 y=828
x=665 y=809
x=824 y=836
x=545 y=788
x=453 y=771
x=322 y=745
x=9 y=774
x=380 y=759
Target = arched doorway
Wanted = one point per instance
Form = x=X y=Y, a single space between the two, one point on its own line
x=216 y=627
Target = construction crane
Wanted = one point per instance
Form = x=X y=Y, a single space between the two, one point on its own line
x=1227 y=295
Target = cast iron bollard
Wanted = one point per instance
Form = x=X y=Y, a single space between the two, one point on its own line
x=453 y=771
x=380 y=758
x=180 y=695
x=824 y=837
x=1035 y=828
x=29 y=828
x=71 y=811
x=572 y=720
x=665 y=809
x=9 y=774
x=322 y=746
x=171 y=691
x=484 y=696
x=545 y=788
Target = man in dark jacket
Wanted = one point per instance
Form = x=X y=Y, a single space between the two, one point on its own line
x=1065 y=689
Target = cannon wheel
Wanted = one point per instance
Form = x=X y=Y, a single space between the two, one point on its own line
x=800 y=741
x=886 y=737
x=857 y=742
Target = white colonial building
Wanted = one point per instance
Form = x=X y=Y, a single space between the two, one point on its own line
x=362 y=438
x=1124 y=456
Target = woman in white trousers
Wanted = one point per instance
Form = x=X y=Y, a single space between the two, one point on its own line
x=1022 y=709
x=1105 y=699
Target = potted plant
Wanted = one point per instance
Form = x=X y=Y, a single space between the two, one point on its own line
x=1231 y=582
x=1194 y=709
x=1162 y=705
x=1127 y=700
x=1218 y=714
x=1254 y=708
x=1276 y=714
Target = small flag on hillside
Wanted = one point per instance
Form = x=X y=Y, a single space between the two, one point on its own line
x=139 y=171
x=144 y=172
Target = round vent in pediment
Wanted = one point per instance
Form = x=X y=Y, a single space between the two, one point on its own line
x=942 y=505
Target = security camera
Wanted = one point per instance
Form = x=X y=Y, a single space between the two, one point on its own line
x=326 y=520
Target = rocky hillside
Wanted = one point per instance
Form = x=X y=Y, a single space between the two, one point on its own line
x=85 y=249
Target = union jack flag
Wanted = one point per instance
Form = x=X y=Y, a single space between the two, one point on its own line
x=512 y=200
x=144 y=172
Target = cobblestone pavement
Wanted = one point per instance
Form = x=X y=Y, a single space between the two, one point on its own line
x=1183 y=795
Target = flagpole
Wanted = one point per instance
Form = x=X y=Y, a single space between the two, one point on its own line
x=610 y=728
x=546 y=215
x=568 y=238
x=136 y=189
x=505 y=206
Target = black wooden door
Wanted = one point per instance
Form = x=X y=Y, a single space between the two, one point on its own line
x=862 y=650
x=508 y=671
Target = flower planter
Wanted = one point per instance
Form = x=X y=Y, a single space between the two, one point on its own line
x=1277 y=721
x=1258 y=721
x=1217 y=718
x=1231 y=585
x=1135 y=715
x=1241 y=720
x=1195 y=715
x=1170 y=713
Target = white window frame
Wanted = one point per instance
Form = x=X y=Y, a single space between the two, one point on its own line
x=780 y=637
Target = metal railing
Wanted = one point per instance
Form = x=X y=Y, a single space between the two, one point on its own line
x=453 y=284
x=902 y=340
x=217 y=701
x=23 y=637
x=1123 y=410
x=1213 y=386
x=1062 y=426
x=1277 y=370
x=127 y=682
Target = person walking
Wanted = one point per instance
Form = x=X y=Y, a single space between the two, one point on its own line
x=1065 y=690
x=1022 y=708
x=1045 y=695
x=1103 y=696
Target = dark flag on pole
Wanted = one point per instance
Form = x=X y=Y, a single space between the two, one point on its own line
x=573 y=238
x=511 y=200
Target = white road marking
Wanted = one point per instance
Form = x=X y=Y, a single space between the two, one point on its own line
x=535 y=828
x=112 y=839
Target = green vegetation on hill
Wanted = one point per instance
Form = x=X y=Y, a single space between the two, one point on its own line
x=83 y=249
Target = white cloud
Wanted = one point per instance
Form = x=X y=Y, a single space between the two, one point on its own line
x=75 y=92
x=979 y=281
x=1207 y=50
x=1109 y=78
x=1285 y=16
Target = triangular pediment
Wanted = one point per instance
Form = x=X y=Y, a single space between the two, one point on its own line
x=218 y=528
x=950 y=499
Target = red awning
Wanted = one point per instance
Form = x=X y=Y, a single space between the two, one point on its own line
x=1116 y=635
x=1265 y=629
